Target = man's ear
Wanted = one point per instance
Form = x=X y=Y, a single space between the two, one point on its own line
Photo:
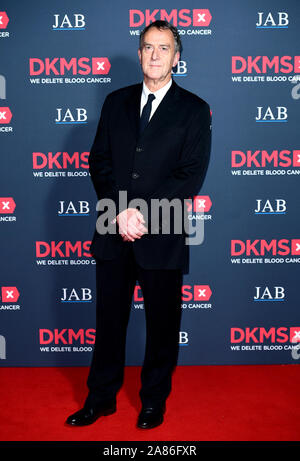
x=139 y=55
x=176 y=59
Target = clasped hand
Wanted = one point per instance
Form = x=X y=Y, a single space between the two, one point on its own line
x=131 y=224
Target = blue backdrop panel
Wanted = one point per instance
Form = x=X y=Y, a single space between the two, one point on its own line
x=58 y=62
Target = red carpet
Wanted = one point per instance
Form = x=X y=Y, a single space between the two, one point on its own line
x=222 y=403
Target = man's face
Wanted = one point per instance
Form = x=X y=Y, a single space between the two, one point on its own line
x=158 y=56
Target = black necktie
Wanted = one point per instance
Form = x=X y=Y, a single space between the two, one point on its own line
x=146 y=112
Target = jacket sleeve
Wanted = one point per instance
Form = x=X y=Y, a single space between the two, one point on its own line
x=100 y=160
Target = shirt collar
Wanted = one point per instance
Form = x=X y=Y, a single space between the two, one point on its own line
x=159 y=94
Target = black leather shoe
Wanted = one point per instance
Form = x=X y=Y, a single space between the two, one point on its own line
x=89 y=415
x=151 y=417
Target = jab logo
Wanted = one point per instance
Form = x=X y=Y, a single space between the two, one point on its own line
x=73 y=66
x=82 y=295
x=269 y=21
x=183 y=338
x=264 y=207
x=81 y=208
x=261 y=158
x=264 y=64
x=260 y=247
x=65 y=23
x=7 y=205
x=268 y=115
x=67 y=117
x=260 y=335
x=5 y=115
x=180 y=70
x=9 y=294
x=177 y=17
x=269 y=294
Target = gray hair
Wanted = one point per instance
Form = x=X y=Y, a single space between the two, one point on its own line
x=163 y=25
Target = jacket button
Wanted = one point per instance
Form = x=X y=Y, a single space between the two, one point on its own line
x=139 y=149
x=135 y=175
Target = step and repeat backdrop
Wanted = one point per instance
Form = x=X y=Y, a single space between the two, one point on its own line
x=58 y=61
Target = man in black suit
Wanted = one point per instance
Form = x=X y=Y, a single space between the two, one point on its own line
x=153 y=142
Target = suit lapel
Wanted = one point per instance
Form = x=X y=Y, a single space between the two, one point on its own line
x=133 y=109
x=160 y=116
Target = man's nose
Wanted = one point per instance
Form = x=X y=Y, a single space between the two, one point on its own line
x=155 y=54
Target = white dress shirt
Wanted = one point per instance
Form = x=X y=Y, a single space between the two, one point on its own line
x=159 y=95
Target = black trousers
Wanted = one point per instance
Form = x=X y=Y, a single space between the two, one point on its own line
x=115 y=282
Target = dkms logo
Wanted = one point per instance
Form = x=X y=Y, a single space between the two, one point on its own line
x=264 y=68
x=196 y=297
x=3 y=24
x=5 y=118
x=9 y=294
x=7 y=205
x=66 y=340
x=192 y=21
x=259 y=335
x=3 y=20
x=59 y=164
x=63 y=249
x=74 y=66
x=8 y=298
x=5 y=115
x=274 y=251
x=58 y=70
x=263 y=162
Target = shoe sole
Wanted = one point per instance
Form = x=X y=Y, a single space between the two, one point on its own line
x=108 y=412
x=150 y=426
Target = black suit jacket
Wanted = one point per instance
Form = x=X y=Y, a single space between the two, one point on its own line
x=169 y=160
